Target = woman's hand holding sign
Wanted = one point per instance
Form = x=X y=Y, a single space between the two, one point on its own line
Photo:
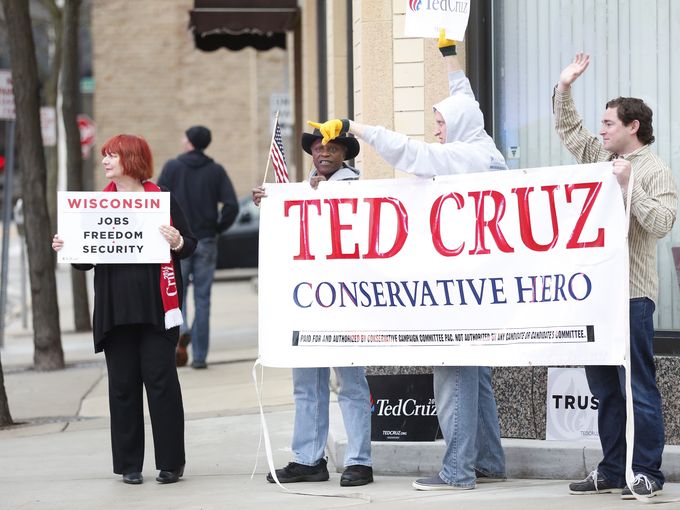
x=172 y=236
x=57 y=244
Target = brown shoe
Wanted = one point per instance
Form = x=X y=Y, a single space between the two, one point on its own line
x=181 y=355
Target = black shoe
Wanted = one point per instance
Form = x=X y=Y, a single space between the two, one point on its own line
x=482 y=477
x=181 y=355
x=170 y=476
x=356 y=475
x=199 y=364
x=295 y=472
x=133 y=478
x=593 y=484
x=643 y=486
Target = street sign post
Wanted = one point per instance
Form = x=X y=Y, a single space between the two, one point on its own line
x=6 y=95
x=48 y=125
x=7 y=112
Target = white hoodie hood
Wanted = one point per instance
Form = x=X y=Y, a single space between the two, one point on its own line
x=464 y=120
x=468 y=147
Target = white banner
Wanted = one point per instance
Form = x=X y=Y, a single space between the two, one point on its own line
x=424 y=18
x=506 y=268
x=571 y=409
x=113 y=228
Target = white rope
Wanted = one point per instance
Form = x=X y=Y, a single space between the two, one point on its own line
x=264 y=431
x=264 y=434
x=630 y=425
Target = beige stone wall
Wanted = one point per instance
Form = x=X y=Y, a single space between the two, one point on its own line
x=396 y=79
x=310 y=82
x=373 y=76
x=152 y=81
x=337 y=59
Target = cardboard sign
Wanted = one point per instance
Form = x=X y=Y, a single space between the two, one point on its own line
x=403 y=408
x=424 y=18
x=571 y=408
x=113 y=228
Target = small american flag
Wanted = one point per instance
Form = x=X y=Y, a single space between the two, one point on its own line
x=278 y=158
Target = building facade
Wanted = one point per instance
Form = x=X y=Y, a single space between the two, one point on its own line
x=351 y=59
x=152 y=81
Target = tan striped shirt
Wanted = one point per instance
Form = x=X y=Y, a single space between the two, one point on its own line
x=654 y=196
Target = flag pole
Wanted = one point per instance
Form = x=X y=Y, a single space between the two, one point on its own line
x=269 y=153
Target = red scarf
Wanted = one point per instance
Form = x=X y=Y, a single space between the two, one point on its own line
x=169 y=293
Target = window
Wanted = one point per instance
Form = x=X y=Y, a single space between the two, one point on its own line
x=635 y=51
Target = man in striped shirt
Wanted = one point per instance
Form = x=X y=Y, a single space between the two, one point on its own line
x=627 y=135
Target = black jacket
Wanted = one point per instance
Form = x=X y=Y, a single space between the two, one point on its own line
x=130 y=293
x=199 y=185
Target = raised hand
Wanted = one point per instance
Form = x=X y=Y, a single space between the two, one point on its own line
x=570 y=73
x=446 y=46
x=331 y=128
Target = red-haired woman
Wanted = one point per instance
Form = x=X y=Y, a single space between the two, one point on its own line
x=136 y=325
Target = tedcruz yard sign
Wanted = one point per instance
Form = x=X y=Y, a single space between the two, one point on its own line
x=424 y=18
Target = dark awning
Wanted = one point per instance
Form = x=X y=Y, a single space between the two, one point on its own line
x=235 y=24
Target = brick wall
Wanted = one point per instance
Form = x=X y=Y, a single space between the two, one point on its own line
x=150 y=80
x=397 y=79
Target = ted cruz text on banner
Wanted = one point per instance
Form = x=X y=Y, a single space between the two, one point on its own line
x=502 y=268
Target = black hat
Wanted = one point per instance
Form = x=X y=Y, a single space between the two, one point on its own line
x=199 y=136
x=346 y=140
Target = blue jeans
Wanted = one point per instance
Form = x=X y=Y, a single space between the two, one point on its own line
x=466 y=409
x=607 y=383
x=199 y=269
x=310 y=432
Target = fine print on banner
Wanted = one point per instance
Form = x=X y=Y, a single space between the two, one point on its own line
x=509 y=268
x=567 y=334
x=100 y=229
x=424 y=18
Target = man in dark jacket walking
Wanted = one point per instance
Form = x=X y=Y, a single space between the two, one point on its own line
x=199 y=184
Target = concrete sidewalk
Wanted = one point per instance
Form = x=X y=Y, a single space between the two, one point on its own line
x=60 y=457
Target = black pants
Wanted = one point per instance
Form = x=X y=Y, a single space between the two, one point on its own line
x=139 y=355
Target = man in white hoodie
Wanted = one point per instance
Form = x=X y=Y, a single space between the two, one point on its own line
x=466 y=406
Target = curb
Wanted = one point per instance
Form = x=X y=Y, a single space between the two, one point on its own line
x=525 y=458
